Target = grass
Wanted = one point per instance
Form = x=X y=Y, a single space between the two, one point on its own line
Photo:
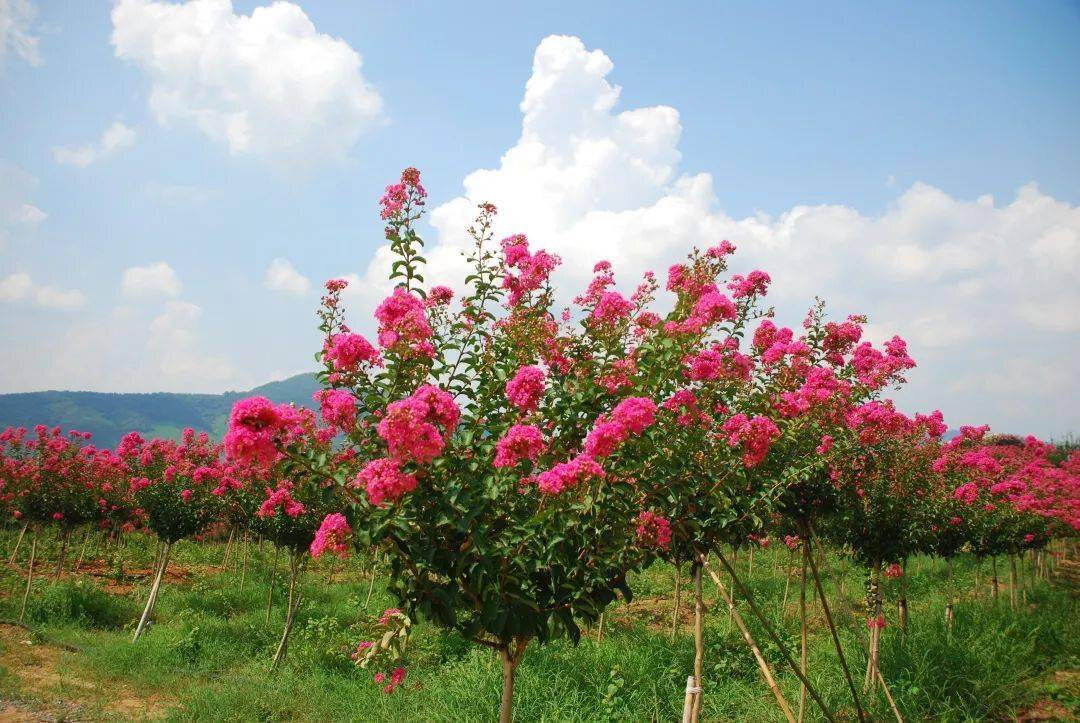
x=207 y=656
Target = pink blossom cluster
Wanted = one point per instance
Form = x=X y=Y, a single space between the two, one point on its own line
x=632 y=415
x=521 y=442
x=720 y=361
x=384 y=480
x=526 y=388
x=821 y=386
x=397 y=195
x=754 y=434
x=776 y=343
x=875 y=369
x=338 y=408
x=611 y=309
x=347 y=352
x=653 y=530
x=756 y=283
x=257 y=427
x=281 y=497
x=580 y=470
x=403 y=325
x=684 y=403
x=332 y=536
x=533 y=268
x=410 y=426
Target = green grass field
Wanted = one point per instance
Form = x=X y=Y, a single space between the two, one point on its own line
x=207 y=655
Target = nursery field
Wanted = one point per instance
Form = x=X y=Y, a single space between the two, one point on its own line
x=207 y=655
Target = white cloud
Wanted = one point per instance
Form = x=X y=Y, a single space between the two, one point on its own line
x=282 y=276
x=16 y=31
x=157 y=279
x=266 y=84
x=17 y=214
x=174 y=345
x=19 y=287
x=968 y=282
x=116 y=137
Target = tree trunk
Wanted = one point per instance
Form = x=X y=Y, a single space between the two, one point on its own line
x=803 y=637
x=511 y=659
x=764 y=666
x=371 y=583
x=11 y=559
x=64 y=537
x=978 y=576
x=295 y=567
x=949 y=617
x=678 y=600
x=994 y=577
x=151 y=600
x=270 y=587
x=243 y=568
x=787 y=584
x=870 y=681
x=82 y=551
x=29 y=575
x=1012 y=583
x=600 y=629
x=228 y=549
x=901 y=603
x=699 y=641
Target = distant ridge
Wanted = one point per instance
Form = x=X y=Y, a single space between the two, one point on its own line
x=109 y=416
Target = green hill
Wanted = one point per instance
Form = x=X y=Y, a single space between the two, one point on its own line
x=110 y=416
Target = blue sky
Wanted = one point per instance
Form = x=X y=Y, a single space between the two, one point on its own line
x=873 y=154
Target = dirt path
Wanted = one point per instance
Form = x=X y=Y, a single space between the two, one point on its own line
x=46 y=688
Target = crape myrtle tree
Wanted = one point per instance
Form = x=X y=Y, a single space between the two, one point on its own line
x=471 y=463
x=887 y=476
x=50 y=478
x=172 y=489
x=295 y=495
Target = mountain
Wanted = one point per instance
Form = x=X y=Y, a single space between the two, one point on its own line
x=109 y=416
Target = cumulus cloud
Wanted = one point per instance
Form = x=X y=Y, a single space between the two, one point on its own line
x=19 y=287
x=176 y=350
x=157 y=279
x=17 y=35
x=17 y=214
x=282 y=276
x=969 y=282
x=266 y=84
x=116 y=137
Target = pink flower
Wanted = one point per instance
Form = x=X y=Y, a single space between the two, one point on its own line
x=403 y=324
x=409 y=425
x=755 y=435
x=332 y=536
x=791 y=541
x=439 y=296
x=338 y=408
x=653 y=530
x=383 y=479
x=611 y=308
x=894 y=571
x=521 y=442
x=967 y=493
x=281 y=497
x=635 y=413
x=185 y=495
x=526 y=388
x=754 y=284
x=826 y=444
x=254 y=425
x=346 y=352
x=534 y=269
x=581 y=469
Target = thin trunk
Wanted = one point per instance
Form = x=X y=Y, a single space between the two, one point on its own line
x=82 y=551
x=803 y=637
x=29 y=575
x=776 y=639
x=699 y=641
x=874 y=604
x=290 y=616
x=901 y=603
x=228 y=549
x=1012 y=583
x=151 y=601
x=994 y=577
x=978 y=576
x=678 y=600
x=510 y=662
x=600 y=628
x=270 y=587
x=243 y=569
x=835 y=637
x=371 y=584
x=750 y=571
x=764 y=666
x=787 y=583
x=888 y=697
x=65 y=536
x=949 y=617
x=18 y=542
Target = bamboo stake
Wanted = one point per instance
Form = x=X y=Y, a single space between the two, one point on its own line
x=762 y=665
x=243 y=569
x=63 y=554
x=803 y=636
x=994 y=577
x=949 y=617
x=295 y=568
x=270 y=587
x=11 y=559
x=371 y=583
x=699 y=641
x=888 y=697
x=688 y=700
x=228 y=549
x=901 y=603
x=836 y=638
x=678 y=600
x=29 y=575
x=776 y=639
x=82 y=551
x=151 y=601
x=787 y=583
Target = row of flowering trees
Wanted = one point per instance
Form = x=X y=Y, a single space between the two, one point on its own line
x=515 y=461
